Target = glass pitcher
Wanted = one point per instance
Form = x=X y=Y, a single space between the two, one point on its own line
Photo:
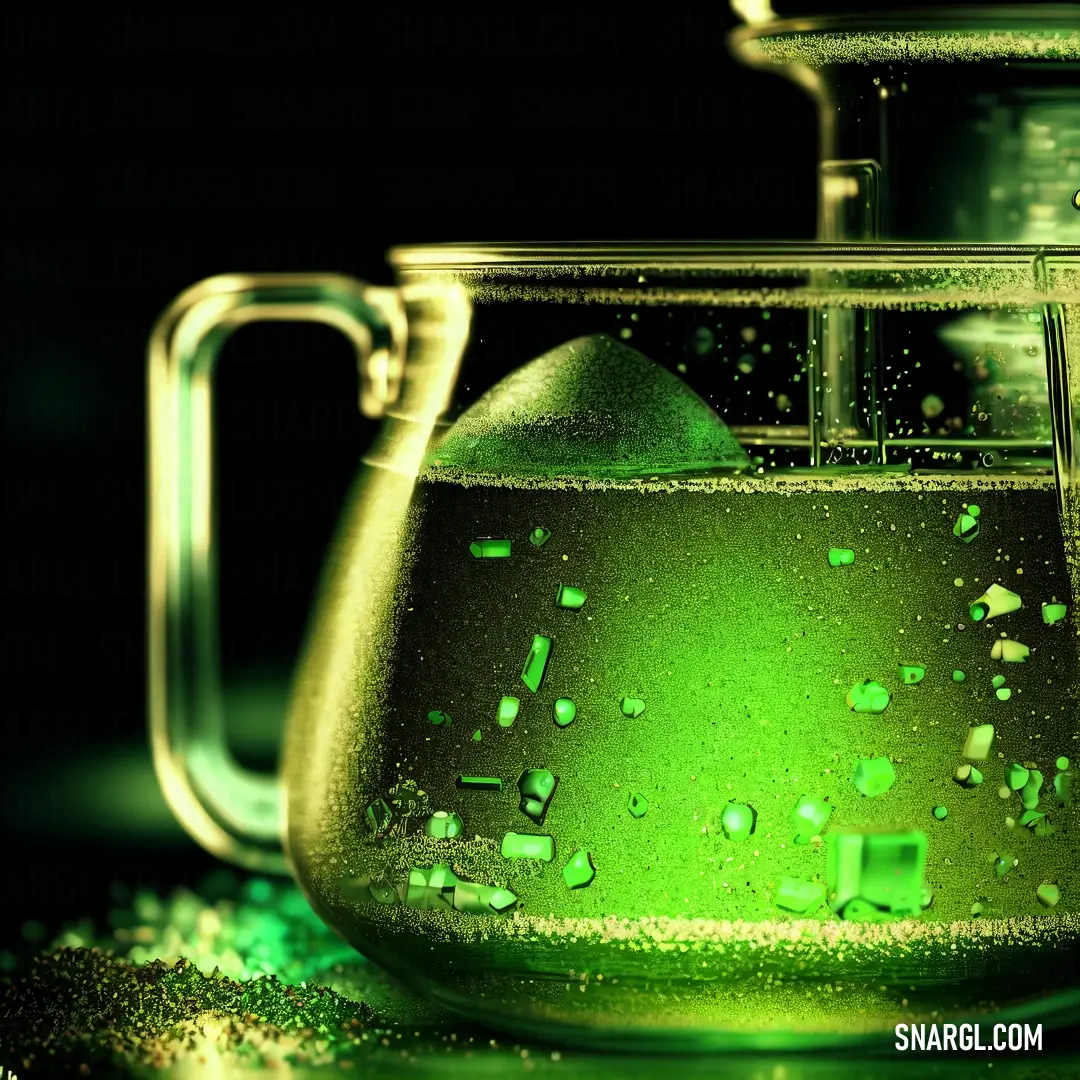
x=638 y=708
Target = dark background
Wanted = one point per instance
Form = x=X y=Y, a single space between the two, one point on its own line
x=147 y=150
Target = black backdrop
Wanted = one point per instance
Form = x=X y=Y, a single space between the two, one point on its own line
x=147 y=150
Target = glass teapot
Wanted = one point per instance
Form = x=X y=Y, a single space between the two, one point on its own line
x=693 y=667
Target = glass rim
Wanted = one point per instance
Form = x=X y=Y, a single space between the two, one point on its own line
x=1001 y=18
x=713 y=254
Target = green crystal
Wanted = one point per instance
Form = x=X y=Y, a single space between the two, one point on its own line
x=737 y=821
x=539 y=536
x=800 y=897
x=443 y=825
x=570 y=598
x=998 y=681
x=537 y=786
x=579 y=871
x=1029 y=793
x=911 y=673
x=565 y=711
x=532 y=674
x=637 y=804
x=941 y=812
x=1030 y=818
x=1048 y=895
x=437 y=716
x=1003 y=694
x=632 y=706
x=868 y=697
x=1016 y=776
x=841 y=556
x=1053 y=613
x=809 y=817
x=1063 y=788
x=508 y=710
x=477 y=735
x=966 y=527
x=958 y=676
x=884 y=871
x=967 y=776
x=379 y=816
x=874 y=776
x=1062 y=763
x=490 y=549
x=979 y=742
x=479 y=783
x=528 y=846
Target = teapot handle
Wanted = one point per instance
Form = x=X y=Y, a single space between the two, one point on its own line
x=236 y=814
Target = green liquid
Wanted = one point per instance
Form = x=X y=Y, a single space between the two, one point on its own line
x=713 y=602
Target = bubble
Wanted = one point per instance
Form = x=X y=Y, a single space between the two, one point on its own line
x=932 y=406
x=702 y=341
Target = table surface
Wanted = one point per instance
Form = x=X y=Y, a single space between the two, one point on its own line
x=240 y=977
